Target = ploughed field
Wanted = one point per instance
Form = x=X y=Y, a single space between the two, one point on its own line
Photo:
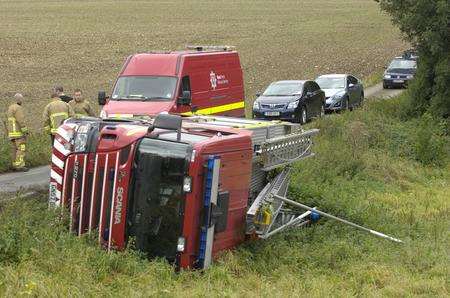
x=84 y=43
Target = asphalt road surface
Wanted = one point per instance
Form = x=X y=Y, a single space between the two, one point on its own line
x=38 y=178
x=377 y=91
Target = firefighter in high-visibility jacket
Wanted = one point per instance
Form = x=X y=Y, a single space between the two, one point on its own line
x=54 y=115
x=80 y=106
x=17 y=133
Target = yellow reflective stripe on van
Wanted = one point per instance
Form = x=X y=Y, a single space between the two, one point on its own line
x=218 y=109
x=120 y=116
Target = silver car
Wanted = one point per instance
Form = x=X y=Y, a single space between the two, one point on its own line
x=342 y=91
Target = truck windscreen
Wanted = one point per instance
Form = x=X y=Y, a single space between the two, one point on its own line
x=156 y=206
x=144 y=88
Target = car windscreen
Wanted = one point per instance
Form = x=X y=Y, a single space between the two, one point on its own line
x=156 y=213
x=402 y=64
x=284 y=89
x=146 y=88
x=331 y=82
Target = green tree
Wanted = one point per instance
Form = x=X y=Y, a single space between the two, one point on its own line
x=426 y=24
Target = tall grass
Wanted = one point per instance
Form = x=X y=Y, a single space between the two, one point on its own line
x=366 y=170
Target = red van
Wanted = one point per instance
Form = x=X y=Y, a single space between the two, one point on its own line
x=201 y=80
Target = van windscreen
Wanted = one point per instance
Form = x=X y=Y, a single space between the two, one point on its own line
x=144 y=88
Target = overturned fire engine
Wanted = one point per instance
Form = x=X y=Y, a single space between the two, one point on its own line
x=184 y=188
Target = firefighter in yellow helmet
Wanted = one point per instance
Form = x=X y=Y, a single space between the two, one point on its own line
x=55 y=113
x=80 y=106
x=17 y=132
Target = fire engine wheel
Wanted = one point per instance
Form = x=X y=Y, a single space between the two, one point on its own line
x=303 y=115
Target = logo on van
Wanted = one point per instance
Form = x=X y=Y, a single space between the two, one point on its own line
x=217 y=79
x=213 y=80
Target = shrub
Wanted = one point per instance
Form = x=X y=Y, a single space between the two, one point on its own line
x=429 y=141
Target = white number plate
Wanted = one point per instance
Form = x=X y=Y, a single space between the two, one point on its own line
x=52 y=193
x=399 y=81
x=271 y=113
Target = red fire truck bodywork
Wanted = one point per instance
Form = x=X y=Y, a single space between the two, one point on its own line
x=213 y=78
x=96 y=187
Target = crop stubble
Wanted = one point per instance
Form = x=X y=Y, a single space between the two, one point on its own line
x=84 y=43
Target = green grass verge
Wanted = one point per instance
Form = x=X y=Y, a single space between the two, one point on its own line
x=369 y=169
x=373 y=79
x=38 y=151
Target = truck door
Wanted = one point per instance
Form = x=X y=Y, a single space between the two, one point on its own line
x=227 y=183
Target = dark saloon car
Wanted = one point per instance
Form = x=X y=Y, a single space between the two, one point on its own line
x=399 y=72
x=297 y=101
x=342 y=91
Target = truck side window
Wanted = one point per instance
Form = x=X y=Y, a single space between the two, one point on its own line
x=185 y=84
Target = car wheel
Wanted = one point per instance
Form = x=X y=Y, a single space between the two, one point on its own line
x=385 y=86
x=303 y=117
x=347 y=104
x=361 y=100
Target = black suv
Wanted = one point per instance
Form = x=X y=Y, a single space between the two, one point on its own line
x=399 y=72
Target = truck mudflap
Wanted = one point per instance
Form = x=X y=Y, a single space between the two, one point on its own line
x=92 y=188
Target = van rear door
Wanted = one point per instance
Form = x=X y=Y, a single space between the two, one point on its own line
x=216 y=84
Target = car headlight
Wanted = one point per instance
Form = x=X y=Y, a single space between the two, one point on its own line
x=103 y=114
x=387 y=76
x=256 y=105
x=338 y=95
x=181 y=245
x=409 y=77
x=187 y=184
x=292 y=105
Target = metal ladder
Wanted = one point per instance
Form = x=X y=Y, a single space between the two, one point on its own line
x=284 y=150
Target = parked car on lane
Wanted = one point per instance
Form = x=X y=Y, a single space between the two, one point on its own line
x=342 y=91
x=297 y=101
x=399 y=72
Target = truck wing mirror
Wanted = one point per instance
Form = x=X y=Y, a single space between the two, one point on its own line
x=185 y=98
x=169 y=122
x=102 y=98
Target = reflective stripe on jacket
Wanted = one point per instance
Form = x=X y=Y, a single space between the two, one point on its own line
x=54 y=115
x=16 y=122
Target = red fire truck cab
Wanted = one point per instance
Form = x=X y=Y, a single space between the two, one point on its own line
x=202 y=81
